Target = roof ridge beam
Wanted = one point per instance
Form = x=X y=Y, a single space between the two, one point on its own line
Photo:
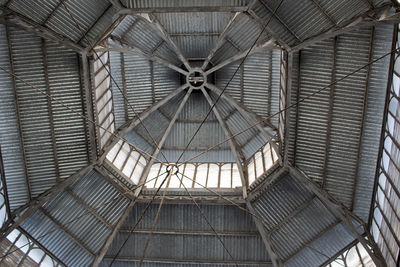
x=160 y=30
x=270 y=44
x=220 y=40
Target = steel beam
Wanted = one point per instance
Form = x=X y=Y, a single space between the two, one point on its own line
x=236 y=150
x=220 y=40
x=363 y=20
x=342 y=213
x=127 y=127
x=125 y=47
x=29 y=25
x=247 y=114
x=270 y=44
x=24 y=212
x=136 y=11
x=276 y=261
x=160 y=29
x=147 y=169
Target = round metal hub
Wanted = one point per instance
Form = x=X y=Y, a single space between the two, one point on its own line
x=173 y=169
x=196 y=78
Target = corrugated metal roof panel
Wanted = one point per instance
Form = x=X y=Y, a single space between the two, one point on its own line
x=32 y=10
x=223 y=76
x=138 y=81
x=281 y=200
x=55 y=240
x=34 y=113
x=329 y=244
x=343 y=10
x=139 y=142
x=154 y=127
x=64 y=81
x=195 y=47
x=187 y=217
x=302 y=228
x=192 y=247
x=352 y=52
x=94 y=191
x=244 y=32
x=142 y=36
x=275 y=86
x=373 y=121
x=118 y=98
x=312 y=123
x=181 y=133
x=117 y=263
x=9 y=135
x=85 y=12
x=101 y=25
x=274 y=24
x=87 y=229
x=166 y=80
x=180 y=3
x=194 y=23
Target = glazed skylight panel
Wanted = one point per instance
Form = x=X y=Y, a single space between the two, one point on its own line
x=196 y=175
x=103 y=97
x=261 y=162
x=127 y=161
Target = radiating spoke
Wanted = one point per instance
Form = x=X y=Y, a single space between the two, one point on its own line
x=270 y=44
x=159 y=28
x=220 y=41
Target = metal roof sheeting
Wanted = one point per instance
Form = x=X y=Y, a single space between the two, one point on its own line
x=180 y=3
x=9 y=135
x=70 y=214
x=64 y=81
x=298 y=222
x=243 y=240
x=329 y=244
x=373 y=121
x=34 y=114
x=342 y=156
x=57 y=242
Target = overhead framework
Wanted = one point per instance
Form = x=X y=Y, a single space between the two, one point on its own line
x=233 y=111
